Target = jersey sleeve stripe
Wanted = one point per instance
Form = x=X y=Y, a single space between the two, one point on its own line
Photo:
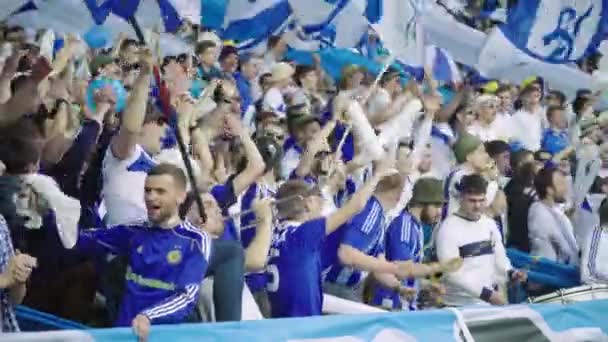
x=178 y=303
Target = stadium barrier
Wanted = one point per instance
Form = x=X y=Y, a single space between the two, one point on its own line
x=583 y=321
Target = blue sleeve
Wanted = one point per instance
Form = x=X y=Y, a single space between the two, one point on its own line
x=355 y=235
x=224 y=194
x=115 y=240
x=311 y=234
x=348 y=149
x=178 y=306
x=398 y=245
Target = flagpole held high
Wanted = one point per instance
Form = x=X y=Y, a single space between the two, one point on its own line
x=169 y=116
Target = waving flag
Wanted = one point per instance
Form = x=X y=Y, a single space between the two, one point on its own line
x=557 y=31
x=441 y=63
x=84 y=13
x=541 y=37
x=401 y=33
x=252 y=22
x=337 y=23
x=323 y=23
x=10 y=6
x=78 y=16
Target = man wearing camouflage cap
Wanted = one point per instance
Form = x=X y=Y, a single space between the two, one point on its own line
x=404 y=241
x=472 y=158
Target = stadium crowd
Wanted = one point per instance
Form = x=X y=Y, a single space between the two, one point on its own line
x=148 y=190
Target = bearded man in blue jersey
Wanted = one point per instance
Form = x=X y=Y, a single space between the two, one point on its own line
x=167 y=257
x=404 y=240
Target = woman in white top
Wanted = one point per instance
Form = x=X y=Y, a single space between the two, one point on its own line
x=528 y=122
x=488 y=127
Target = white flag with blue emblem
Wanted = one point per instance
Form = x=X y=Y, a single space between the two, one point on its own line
x=542 y=37
x=557 y=31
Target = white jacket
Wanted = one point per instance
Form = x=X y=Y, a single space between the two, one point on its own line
x=551 y=234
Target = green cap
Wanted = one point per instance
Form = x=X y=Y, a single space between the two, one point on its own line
x=587 y=125
x=299 y=115
x=99 y=62
x=428 y=191
x=465 y=144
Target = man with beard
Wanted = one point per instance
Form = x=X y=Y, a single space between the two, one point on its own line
x=404 y=241
x=550 y=231
x=167 y=256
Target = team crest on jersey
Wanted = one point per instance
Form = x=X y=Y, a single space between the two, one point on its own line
x=174 y=257
x=140 y=249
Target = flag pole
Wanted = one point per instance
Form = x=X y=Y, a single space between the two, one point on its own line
x=169 y=112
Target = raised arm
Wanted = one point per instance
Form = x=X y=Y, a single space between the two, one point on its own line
x=257 y=252
x=359 y=199
x=8 y=72
x=255 y=163
x=123 y=144
x=316 y=145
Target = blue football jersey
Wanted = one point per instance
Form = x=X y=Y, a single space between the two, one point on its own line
x=404 y=241
x=225 y=197
x=294 y=268
x=364 y=232
x=166 y=267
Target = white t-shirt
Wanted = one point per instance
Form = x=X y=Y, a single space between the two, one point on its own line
x=274 y=102
x=485 y=260
x=528 y=128
x=123 y=183
x=499 y=129
x=123 y=186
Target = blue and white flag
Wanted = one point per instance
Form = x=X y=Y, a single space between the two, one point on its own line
x=322 y=23
x=442 y=65
x=542 y=38
x=338 y=23
x=401 y=33
x=250 y=23
x=11 y=6
x=78 y=16
x=148 y=12
x=557 y=31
